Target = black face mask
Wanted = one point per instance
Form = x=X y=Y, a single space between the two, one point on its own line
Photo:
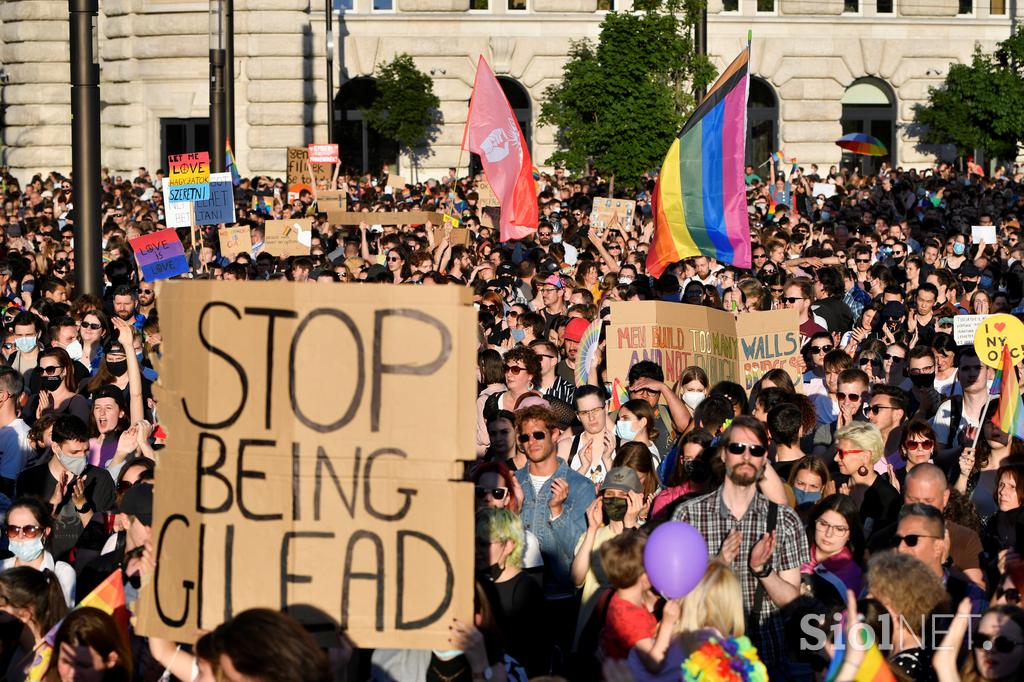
x=490 y=573
x=969 y=286
x=922 y=380
x=117 y=368
x=50 y=383
x=615 y=508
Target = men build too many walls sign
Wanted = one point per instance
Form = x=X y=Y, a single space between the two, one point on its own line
x=676 y=336
x=348 y=511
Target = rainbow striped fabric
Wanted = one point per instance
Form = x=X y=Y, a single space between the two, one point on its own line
x=700 y=201
x=872 y=668
x=1010 y=415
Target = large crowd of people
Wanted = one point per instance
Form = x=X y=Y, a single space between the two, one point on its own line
x=867 y=495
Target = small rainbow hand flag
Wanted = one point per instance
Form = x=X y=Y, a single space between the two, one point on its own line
x=619 y=394
x=236 y=179
x=1009 y=418
x=872 y=669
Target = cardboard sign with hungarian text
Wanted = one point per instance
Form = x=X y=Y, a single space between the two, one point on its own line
x=298 y=177
x=486 y=198
x=322 y=153
x=284 y=238
x=304 y=471
x=234 y=240
x=189 y=176
x=160 y=255
x=964 y=327
x=677 y=335
x=220 y=207
x=609 y=214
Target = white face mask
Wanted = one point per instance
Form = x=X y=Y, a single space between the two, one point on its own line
x=693 y=399
x=74 y=350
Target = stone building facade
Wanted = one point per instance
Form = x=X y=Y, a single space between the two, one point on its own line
x=822 y=67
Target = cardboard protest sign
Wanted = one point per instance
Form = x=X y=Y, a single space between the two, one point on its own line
x=189 y=176
x=964 y=327
x=677 y=335
x=234 y=240
x=333 y=202
x=220 y=207
x=389 y=218
x=304 y=470
x=486 y=198
x=322 y=153
x=612 y=213
x=396 y=182
x=160 y=255
x=176 y=214
x=983 y=233
x=284 y=238
x=456 y=237
x=996 y=331
x=298 y=177
x=823 y=189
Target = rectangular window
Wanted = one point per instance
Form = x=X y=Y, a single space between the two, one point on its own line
x=605 y=5
x=347 y=5
x=883 y=6
x=730 y=5
x=765 y=5
x=517 y=5
x=478 y=4
x=851 y=6
x=966 y=7
x=383 y=5
x=997 y=7
x=183 y=135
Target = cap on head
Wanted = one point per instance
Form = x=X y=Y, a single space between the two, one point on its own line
x=622 y=478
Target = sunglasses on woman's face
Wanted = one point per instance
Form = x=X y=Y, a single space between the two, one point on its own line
x=50 y=371
x=513 y=370
x=29 y=532
x=536 y=435
x=95 y=326
x=918 y=445
x=1003 y=645
x=496 y=493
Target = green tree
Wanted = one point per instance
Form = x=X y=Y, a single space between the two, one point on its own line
x=978 y=105
x=406 y=110
x=621 y=102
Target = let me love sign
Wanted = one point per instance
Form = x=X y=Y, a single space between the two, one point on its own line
x=305 y=471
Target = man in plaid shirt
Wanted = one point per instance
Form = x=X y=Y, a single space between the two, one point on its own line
x=734 y=519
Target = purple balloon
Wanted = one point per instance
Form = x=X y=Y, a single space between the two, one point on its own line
x=675 y=558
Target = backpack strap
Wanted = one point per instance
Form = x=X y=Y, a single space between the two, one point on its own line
x=759 y=593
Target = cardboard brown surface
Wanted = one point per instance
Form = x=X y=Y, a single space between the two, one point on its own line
x=676 y=336
x=459 y=235
x=608 y=214
x=333 y=202
x=298 y=177
x=288 y=237
x=486 y=196
x=234 y=240
x=389 y=218
x=316 y=476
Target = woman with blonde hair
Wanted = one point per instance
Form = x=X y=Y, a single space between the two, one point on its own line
x=859 y=447
x=711 y=614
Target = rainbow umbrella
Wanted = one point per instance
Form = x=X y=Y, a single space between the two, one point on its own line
x=859 y=143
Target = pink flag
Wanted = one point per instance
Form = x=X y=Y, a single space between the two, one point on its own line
x=493 y=132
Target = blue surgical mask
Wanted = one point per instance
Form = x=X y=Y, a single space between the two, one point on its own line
x=625 y=430
x=25 y=344
x=556 y=239
x=805 y=496
x=958 y=249
x=26 y=550
x=518 y=335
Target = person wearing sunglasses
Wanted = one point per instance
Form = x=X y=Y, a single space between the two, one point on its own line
x=818 y=346
x=555 y=501
x=764 y=542
x=887 y=410
x=798 y=295
x=28 y=527
x=917 y=446
x=858 y=450
x=56 y=393
x=521 y=369
x=959 y=413
x=998 y=646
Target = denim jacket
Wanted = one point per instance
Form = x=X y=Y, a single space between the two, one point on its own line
x=557 y=538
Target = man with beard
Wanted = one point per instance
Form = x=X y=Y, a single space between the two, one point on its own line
x=147 y=299
x=765 y=543
x=124 y=305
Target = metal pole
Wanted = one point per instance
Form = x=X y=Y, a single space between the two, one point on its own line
x=85 y=144
x=329 y=8
x=702 y=42
x=218 y=132
x=229 y=69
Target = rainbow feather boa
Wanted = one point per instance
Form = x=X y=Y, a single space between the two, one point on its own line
x=730 y=660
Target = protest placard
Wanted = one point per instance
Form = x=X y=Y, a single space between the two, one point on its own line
x=323 y=153
x=609 y=214
x=996 y=331
x=964 y=327
x=234 y=240
x=983 y=233
x=344 y=511
x=823 y=189
x=298 y=177
x=677 y=335
x=486 y=198
x=458 y=236
x=160 y=255
x=176 y=214
x=189 y=176
x=396 y=182
x=284 y=238
x=333 y=202
x=388 y=218
x=220 y=207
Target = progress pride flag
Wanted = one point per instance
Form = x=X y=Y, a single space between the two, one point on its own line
x=493 y=133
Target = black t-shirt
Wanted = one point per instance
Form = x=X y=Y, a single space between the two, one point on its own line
x=516 y=609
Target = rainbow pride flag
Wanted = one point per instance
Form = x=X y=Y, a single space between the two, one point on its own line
x=236 y=179
x=107 y=597
x=872 y=669
x=700 y=201
x=1010 y=415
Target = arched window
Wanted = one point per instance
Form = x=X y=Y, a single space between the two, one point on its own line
x=762 y=122
x=869 y=106
x=360 y=148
